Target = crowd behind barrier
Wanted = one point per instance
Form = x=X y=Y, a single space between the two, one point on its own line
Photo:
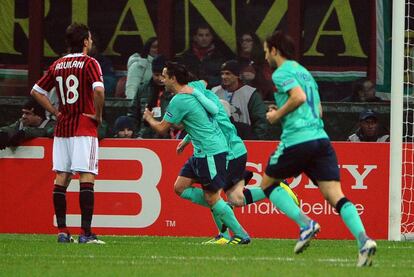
x=340 y=118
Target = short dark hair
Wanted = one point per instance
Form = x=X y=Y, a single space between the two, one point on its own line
x=158 y=63
x=201 y=26
x=76 y=33
x=37 y=108
x=283 y=43
x=179 y=71
x=233 y=66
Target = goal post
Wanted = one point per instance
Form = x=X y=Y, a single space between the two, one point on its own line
x=396 y=132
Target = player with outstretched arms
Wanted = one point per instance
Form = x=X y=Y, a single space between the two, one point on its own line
x=79 y=85
x=305 y=148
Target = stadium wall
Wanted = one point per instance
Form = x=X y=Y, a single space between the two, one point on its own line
x=134 y=192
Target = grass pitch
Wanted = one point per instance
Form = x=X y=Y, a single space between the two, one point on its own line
x=41 y=255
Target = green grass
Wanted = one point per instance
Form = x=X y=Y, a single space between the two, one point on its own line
x=40 y=255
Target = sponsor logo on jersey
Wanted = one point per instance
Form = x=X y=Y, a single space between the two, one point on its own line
x=287 y=82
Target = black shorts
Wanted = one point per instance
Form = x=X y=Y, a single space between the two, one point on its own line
x=235 y=171
x=316 y=158
x=209 y=171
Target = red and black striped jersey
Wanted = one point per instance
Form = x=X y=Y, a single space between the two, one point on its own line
x=75 y=77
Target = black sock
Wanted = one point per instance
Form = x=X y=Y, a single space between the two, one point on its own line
x=86 y=202
x=248 y=197
x=340 y=203
x=268 y=191
x=59 y=203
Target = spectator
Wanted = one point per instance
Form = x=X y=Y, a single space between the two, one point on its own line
x=363 y=90
x=255 y=71
x=247 y=108
x=153 y=96
x=124 y=127
x=139 y=67
x=370 y=129
x=33 y=123
x=203 y=58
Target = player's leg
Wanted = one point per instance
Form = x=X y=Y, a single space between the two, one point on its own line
x=223 y=236
x=234 y=196
x=213 y=175
x=239 y=195
x=85 y=161
x=283 y=201
x=325 y=171
x=285 y=163
x=87 y=203
x=332 y=192
x=61 y=165
x=237 y=178
x=183 y=188
x=224 y=212
x=183 y=184
x=59 y=203
x=234 y=191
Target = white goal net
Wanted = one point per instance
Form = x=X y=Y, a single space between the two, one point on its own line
x=407 y=185
x=401 y=185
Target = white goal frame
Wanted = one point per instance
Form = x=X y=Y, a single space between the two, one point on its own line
x=396 y=133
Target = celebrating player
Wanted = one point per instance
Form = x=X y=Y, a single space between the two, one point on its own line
x=237 y=177
x=78 y=81
x=305 y=147
x=207 y=166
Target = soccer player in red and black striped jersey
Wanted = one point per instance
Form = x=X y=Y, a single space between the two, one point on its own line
x=79 y=85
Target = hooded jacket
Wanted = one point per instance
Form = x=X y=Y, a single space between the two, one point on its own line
x=139 y=74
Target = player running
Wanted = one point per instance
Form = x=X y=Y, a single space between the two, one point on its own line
x=305 y=147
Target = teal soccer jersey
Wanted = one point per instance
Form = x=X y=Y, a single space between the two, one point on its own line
x=235 y=143
x=206 y=136
x=304 y=123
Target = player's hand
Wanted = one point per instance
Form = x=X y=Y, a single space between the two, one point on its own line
x=272 y=116
x=147 y=115
x=272 y=107
x=94 y=117
x=57 y=114
x=181 y=146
